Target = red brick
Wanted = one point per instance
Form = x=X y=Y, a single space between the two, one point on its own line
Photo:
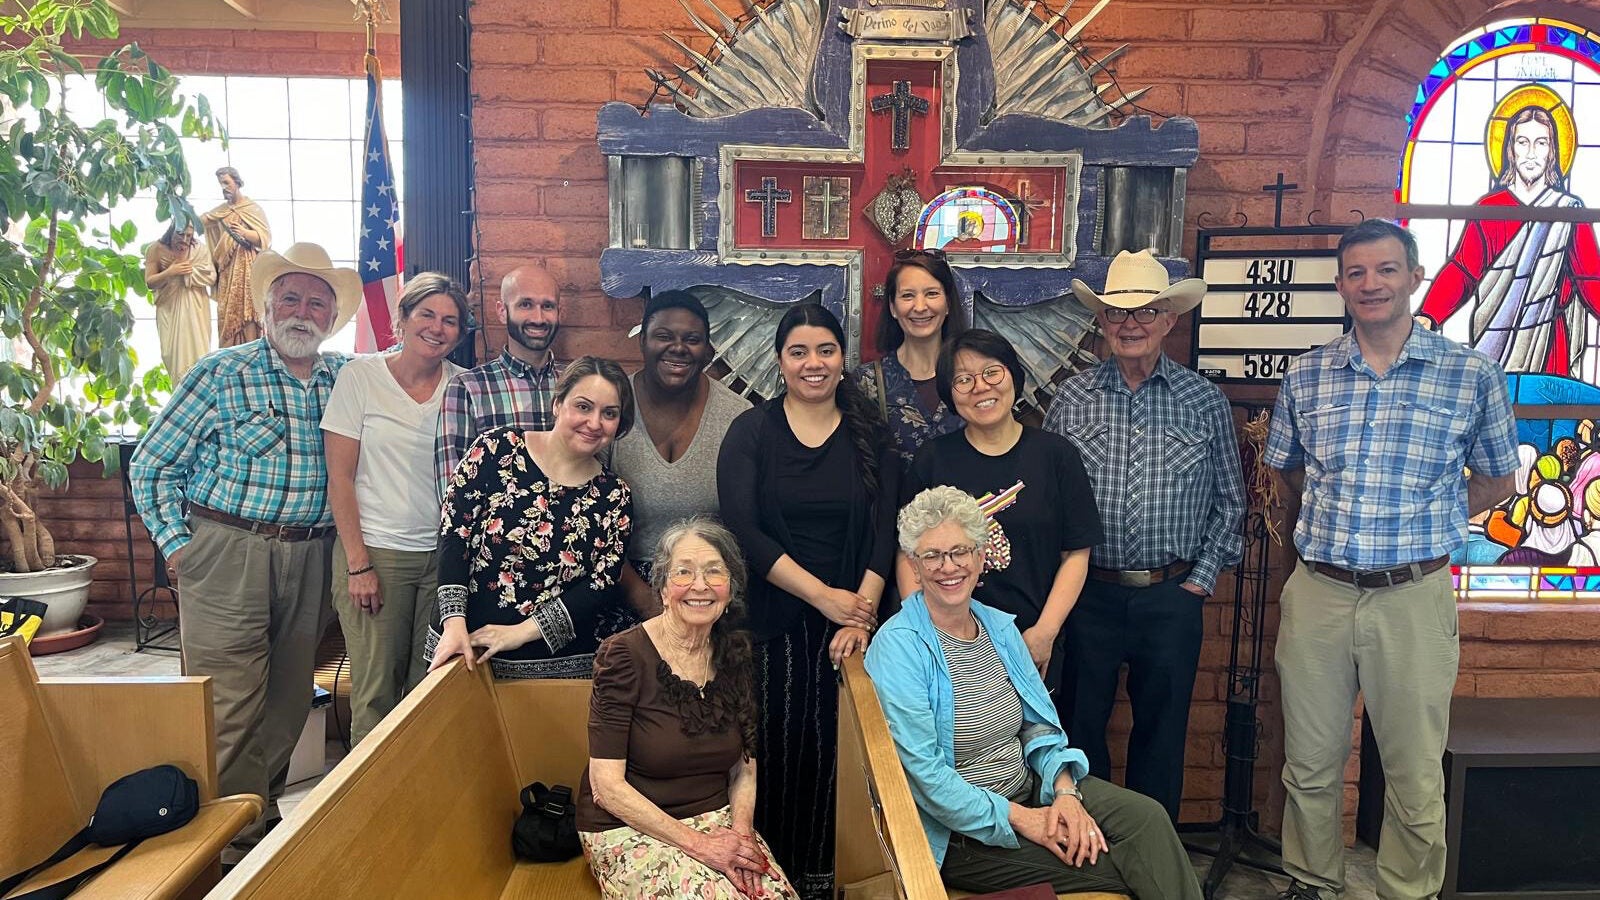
x=1404 y=45
x=1236 y=25
x=1139 y=23
x=1466 y=685
x=1534 y=622
x=1164 y=60
x=540 y=235
x=568 y=123
x=607 y=342
x=1222 y=137
x=1199 y=810
x=1585 y=657
x=572 y=14
x=275 y=40
x=585 y=309
x=1261 y=101
x=1538 y=684
x=667 y=15
x=626 y=312
x=627 y=52
x=1500 y=655
x=507 y=47
x=499 y=122
x=1359 y=129
x=1290 y=64
x=1244 y=175
x=1371 y=171
x=580 y=270
x=543 y=160
x=581 y=200
x=528 y=84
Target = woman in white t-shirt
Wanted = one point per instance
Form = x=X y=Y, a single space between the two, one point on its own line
x=379 y=432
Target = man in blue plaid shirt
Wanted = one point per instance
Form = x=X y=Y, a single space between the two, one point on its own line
x=1158 y=443
x=515 y=388
x=232 y=484
x=1373 y=434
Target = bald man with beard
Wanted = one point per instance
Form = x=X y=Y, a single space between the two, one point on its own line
x=514 y=388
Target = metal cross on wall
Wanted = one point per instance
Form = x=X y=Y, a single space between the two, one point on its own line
x=900 y=103
x=769 y=196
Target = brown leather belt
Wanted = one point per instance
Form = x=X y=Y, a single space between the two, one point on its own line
x=288 y=533
x=1381 y=577
x=1141 y=577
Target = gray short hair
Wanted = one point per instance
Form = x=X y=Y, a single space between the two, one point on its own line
x=936 y=506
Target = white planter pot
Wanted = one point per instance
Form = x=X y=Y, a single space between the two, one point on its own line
x=64 y=589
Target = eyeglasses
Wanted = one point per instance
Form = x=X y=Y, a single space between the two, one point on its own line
x=713 y=576
x=910 y=252
x=956 y=556
x=1144 y=315
x=993 y=376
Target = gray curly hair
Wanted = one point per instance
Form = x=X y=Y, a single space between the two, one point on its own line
x=934 y=507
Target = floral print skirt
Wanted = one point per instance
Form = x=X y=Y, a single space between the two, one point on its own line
x=630 y=864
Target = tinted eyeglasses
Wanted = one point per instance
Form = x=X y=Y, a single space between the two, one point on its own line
x=912 y=252
x=1144 y=315
x=993 y=376
x=713 y=576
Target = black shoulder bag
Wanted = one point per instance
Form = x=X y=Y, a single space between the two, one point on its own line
x=547 y=829
x=134 y=807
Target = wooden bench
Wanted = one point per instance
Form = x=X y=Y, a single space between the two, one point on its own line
x=881 y=851
x=63 y=740
x=423 y=807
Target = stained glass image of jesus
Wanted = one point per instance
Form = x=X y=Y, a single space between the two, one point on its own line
x=1531 y=289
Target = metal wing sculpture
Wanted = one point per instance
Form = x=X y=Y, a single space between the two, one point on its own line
x=1050 y=337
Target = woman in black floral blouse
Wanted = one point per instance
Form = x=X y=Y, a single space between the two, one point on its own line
x=922 y=309
x=533 y=536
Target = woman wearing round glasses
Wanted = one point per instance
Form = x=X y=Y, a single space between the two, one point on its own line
x=922 y=309
x=1004 y=801
x=667 y=805
x=1030 y=483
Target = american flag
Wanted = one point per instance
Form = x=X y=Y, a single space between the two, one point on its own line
x=380 y=232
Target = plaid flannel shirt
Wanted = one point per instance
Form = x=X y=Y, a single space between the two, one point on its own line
x=1164 y=461
x=502 y=391
x=1383 y=454
x=240 y=435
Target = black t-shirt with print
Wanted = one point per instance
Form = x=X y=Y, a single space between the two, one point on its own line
x=1053 y=510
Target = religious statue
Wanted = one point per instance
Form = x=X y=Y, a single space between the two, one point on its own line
x=237 y=231
x=179 y=272
x=1522 y=278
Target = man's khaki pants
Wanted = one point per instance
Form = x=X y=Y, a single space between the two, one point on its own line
x=1398 y=647
x=252 y=613
x=386 y=647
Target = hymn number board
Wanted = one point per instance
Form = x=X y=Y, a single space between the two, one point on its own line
x=1270 y=297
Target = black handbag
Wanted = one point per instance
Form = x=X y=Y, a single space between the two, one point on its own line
x=134 y=807
x=547 y=829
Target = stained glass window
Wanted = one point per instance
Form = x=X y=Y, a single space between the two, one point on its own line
x=1501 y=164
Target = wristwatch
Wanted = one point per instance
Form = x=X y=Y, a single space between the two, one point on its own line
x=1073 y=791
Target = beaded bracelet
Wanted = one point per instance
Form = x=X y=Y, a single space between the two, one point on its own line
x=361 y=571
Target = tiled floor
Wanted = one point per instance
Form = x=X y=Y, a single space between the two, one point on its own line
x=113 y=654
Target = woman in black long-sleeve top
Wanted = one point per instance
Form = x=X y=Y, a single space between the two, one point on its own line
x=808 y=483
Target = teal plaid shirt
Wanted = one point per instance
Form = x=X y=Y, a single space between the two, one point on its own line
x=241 y=436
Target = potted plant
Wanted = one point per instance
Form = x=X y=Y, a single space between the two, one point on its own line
x=67 y=379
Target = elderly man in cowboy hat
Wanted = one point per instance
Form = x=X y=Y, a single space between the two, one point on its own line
x=1158 y=443
x=231 y=482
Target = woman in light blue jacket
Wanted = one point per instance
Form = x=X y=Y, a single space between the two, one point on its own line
x=1004 y=800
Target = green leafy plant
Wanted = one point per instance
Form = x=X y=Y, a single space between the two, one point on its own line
x=64 y=286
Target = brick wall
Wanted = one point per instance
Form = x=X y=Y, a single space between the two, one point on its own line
x=222 y=51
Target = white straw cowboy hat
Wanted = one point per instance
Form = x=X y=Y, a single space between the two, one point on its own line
x=1136 y=280
x=309 y=259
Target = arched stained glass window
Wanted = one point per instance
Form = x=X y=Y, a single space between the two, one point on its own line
x=1500 y=173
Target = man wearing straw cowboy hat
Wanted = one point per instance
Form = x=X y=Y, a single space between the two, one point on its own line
x=1158 y=442
x=239 y=449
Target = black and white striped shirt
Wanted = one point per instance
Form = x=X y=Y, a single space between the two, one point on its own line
x=988 y=716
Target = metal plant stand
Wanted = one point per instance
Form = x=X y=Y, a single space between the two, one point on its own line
x=151 y=631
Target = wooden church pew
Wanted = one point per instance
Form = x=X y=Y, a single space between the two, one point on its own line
x=881 y=852
x=64 y=740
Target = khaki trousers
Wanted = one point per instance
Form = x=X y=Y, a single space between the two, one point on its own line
x=1397 y=646
x=385 y=648
x=251 y=618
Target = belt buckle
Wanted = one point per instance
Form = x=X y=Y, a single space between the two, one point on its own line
x=293 y=533
x=1138 y=578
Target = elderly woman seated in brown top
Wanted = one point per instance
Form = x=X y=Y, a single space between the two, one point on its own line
x=667 y=804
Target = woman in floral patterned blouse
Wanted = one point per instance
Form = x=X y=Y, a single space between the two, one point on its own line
x=923 y=308
x=533 y=536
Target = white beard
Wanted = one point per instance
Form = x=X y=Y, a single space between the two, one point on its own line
x=292 y=342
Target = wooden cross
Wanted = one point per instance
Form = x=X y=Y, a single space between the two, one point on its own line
x=769 y=196
x=1279 y=189
x=901 y=103
x=823 y=195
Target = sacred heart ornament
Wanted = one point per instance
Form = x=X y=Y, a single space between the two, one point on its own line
x=896 y=208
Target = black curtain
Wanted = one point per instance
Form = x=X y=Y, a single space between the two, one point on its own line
x=434 y=40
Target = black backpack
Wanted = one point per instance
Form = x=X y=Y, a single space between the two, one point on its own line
x=547 y=829
x=147 y=803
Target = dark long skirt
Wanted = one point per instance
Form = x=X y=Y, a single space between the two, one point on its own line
x=799 y=744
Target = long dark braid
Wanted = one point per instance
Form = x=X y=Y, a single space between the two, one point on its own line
x=868 y=432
